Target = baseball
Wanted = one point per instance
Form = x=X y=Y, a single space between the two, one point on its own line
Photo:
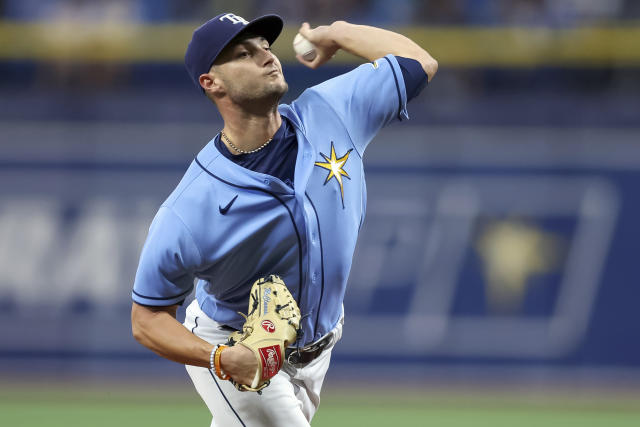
x=304 y=47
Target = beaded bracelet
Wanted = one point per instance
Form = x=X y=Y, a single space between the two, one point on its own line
x=211 y=364
x=214 y=360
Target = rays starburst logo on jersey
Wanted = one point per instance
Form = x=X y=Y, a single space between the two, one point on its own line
x=335 y=166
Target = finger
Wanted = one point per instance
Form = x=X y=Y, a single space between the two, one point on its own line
x=305 y=30
x=301 y=60
x=317 y=61
x=321 y=58
x=311 y=64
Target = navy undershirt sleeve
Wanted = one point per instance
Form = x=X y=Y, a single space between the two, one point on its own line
x=415 y=78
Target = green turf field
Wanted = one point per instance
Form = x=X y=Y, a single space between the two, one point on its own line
x=139 y=406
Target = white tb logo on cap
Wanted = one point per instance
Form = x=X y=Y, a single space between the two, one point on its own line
x=234 y=19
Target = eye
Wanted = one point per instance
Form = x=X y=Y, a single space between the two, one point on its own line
x=243 y=54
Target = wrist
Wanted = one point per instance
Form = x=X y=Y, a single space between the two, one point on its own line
x=203 y=352
x=337 y=30
x=227 y=359
x=216 y=361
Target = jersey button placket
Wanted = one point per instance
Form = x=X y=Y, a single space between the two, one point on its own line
x=315 y=265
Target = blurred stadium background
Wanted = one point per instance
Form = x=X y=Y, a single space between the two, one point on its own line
x=495 y=280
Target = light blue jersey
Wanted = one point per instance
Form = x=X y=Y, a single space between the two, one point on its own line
x=228 y=226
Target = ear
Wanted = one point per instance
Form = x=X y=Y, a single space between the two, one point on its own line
x=211 y=84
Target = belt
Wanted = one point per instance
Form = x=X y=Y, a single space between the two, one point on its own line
x=304 y=355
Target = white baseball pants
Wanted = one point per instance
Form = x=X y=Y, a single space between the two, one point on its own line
x=291 y=399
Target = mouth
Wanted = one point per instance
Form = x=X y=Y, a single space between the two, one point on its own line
x=273 y=72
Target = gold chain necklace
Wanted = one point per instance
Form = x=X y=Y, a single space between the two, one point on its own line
x=226 y=138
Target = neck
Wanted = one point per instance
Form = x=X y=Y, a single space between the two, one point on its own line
x=249 y=130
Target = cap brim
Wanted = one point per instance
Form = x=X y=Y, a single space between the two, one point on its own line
x=268 y=26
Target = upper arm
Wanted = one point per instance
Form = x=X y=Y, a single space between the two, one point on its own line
x=142 y=317
x=415 y=79
x=367 y=98
x=429 y=64
x=168 y=262
x=413 y=51
x=140 y=312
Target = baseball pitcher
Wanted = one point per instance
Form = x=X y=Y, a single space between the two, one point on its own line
x=265 y=220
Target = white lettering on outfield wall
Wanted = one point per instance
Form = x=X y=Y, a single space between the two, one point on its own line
x=47 y=260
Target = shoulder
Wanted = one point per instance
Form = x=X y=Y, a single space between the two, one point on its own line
x=364 y=83
x=366 y=74
x=192 y=200
x=186 y=188
x=194 y=180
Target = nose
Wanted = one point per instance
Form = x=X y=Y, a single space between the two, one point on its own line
x=267 y=57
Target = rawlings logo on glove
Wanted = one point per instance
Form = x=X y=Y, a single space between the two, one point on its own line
x=268 y=326
x=272 y=324
x=271 y=359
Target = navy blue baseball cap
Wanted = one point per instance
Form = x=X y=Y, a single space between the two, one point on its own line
x=213 y=36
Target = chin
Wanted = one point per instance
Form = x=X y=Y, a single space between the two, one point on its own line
x=284 y=87
x=271 y=93
x=277 y=90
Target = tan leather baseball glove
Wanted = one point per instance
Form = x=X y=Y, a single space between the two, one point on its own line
x=273 y=321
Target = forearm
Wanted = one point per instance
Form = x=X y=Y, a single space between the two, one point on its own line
x=372 y=43
x=158 y=330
